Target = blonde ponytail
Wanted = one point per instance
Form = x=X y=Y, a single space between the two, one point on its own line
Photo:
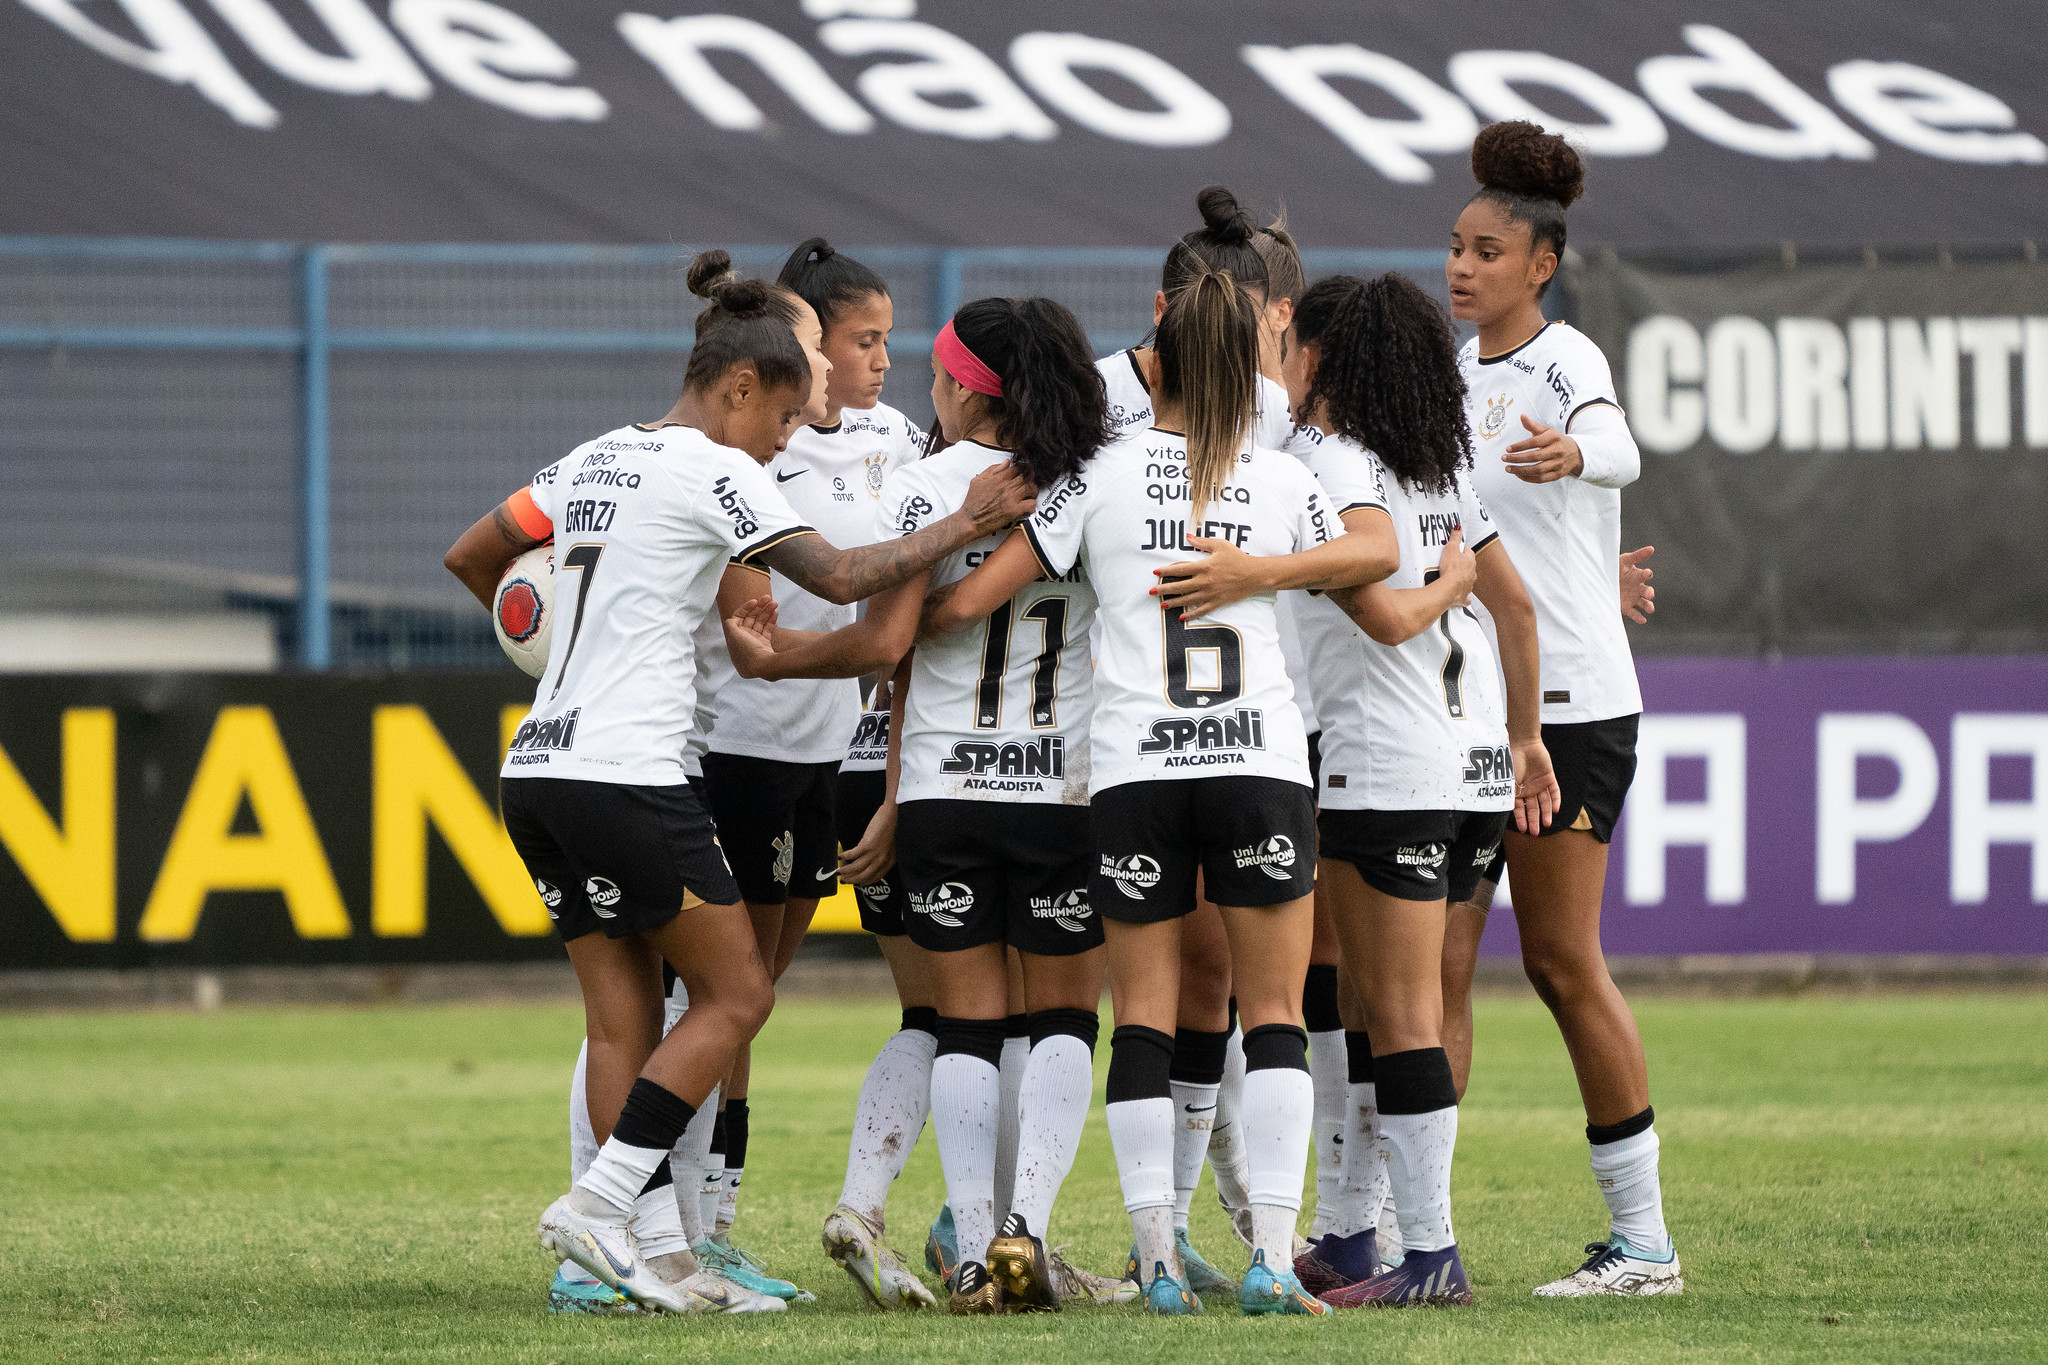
x=1208 y=345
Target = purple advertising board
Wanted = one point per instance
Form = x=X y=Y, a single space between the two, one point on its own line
x=1839 y=805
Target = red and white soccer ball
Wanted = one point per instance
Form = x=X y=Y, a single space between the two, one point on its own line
x=523 y=609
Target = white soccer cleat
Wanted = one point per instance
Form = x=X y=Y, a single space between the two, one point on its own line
x=604 y=1247
x=883 y=1278
x=1071 y=1282
x=1616 y=1268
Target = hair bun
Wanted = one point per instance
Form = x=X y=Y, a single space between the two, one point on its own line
x=1521 y=159
x=815 y=249
x=708 y=271
x=1227 y=220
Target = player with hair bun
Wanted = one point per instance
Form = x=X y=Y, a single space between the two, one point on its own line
x=1553 y=451
x=595 y=796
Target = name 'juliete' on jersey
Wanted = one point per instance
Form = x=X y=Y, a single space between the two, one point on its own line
x=1566 y=535
x=646 y=521
x=1174 y=699
x=1000 y=711
x=1420 y=725
x=833 y=478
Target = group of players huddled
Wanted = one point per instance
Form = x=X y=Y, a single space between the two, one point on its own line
x=1234 y=668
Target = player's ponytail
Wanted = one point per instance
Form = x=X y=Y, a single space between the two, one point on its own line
x=1225 y=241
x=1052 y=414
x=1387 y=375
x=1208 y=347
x=1533 y=176
x=748 y=322
x=828 y=281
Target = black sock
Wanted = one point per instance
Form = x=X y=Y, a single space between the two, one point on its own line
x=1319 y=998
x=1276 y=1047
x=1198 y=1056
x=653 y=1117
x=1599 y=1135
x=923 y=1018
x=1358 y=1056
x=1140 y=1065
x=1415 y=1082
x=735 y=1117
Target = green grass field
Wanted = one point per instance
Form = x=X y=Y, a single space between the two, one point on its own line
x=1848 y=1179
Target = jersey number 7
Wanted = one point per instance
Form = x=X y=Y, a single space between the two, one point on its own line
x=583 y=559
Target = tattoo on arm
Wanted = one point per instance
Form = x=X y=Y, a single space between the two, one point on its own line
x=851 y=575
x=502 y=522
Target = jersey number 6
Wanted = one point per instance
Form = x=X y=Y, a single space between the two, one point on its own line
x=1204 y=664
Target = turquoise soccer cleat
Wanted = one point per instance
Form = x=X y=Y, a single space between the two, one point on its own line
x=1168 y=1297
x=576 y=1290
x=1267 y=1292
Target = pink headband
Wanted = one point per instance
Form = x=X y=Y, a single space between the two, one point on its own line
x=964 y=365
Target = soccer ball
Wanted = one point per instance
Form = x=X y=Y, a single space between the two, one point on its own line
x=523 y=609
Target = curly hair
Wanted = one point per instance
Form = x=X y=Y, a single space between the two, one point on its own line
x=1533 y=176
x=1054 y=413
x=1388 y=375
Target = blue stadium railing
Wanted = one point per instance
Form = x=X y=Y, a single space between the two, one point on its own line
x=314 y=340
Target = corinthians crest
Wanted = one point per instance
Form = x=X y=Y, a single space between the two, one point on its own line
x=1496 y=416
x=874 y=465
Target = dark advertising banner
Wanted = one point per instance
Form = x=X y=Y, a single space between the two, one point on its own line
x=1844 y=806
x=1033 y=122
x=1836 y=456
x=1833 y=806
x=184 y=819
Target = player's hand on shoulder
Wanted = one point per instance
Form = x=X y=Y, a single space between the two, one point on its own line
x=1545 y=456
x=999 y=497
x=1638 y=598
x=1198 y=587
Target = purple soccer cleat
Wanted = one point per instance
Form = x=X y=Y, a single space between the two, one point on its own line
x=1424 y=1279
x=1333 y=1262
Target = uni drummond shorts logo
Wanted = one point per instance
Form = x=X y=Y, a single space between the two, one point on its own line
x=1067 y=910
x=879 y=891
x=1424 y=858
x=604 y=896
x=1275 y=857
x=1133 y=875
x=945 y=903
x=550 y=896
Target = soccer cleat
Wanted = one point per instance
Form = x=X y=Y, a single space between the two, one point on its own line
x=1072 y=1282
x=974 y=1294
x=1614 y=1267
x=942 y=1246
x=883 y=1278
x=1267 y=1292
x=1017 y=1261
x=731 y=1264
x=602 y=1246
x=1203 y=1278
x=710 y=1292
x=1334 y=1262
x=1168 y=1297
x=576 y=1290
x=1424 y=1279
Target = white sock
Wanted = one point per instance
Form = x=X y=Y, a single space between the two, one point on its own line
x=966 y=1111
x=1194 y=1119
x=1279 y=1111
x=1010 y=1080
x=1052 y=1107
x=1328 y=1066
x=1419 y=1147
x=658 y=1223
x=619 y=1174
x=894 y=1100
x=1152 y=1233
x=582 y=1138
x=1627 y=1175
x=729 y=1197
x=1362 y=1189
x=1141 y=1136
x=1226 y=1139
x=686 y=1164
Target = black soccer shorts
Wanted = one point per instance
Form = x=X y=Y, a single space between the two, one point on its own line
x=975 y=872
x=775 y=820
x=1416 y=855
x=605 y=855
x=1253 y=839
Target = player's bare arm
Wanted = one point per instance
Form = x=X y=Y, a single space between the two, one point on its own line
x=1365 y=553
x=997 y=498
x=1393 y=616
x=479 y=555
x=999 y=578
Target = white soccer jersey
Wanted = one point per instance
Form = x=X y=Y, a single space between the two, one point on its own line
x=868 y=750
x=645 y=522
x=1130 y=402
x=833 y=478
x=1566 y=535
x=1174 y=699
x=1419 y=725
x=998 y=711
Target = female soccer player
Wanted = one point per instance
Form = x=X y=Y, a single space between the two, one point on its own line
x=772 y=766
x=1420 y=765
x=1554 y=451
x=646 y=518
x=1198 y=760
